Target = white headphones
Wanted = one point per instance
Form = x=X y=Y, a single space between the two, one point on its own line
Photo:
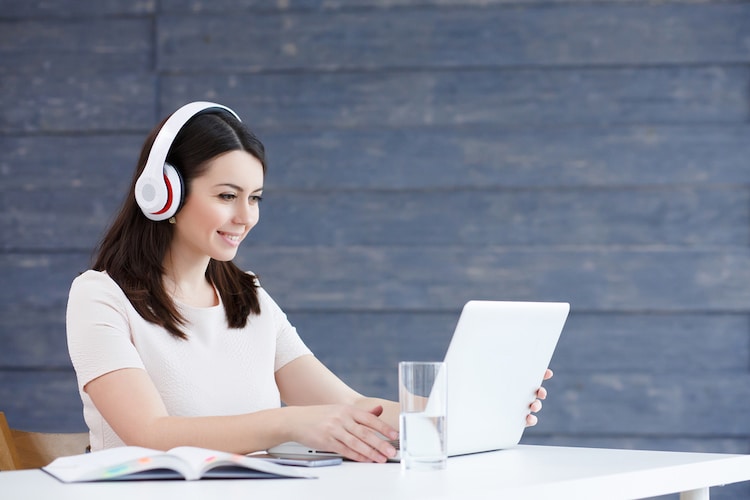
x=159 y=189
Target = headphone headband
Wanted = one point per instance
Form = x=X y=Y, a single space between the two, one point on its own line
x=155 y=193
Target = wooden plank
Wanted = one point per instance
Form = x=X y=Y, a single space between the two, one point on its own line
x=683 y=404
x=34 y=339
x=260 y=6
x=595 y=279
x=78 y=104
x=85 y=46
x=662 y=343
x=457 y=37
x=61 y=221
x=456 y=157
x=605 y=279
x=518 y=97
x=53 y=218
x=494 y=156
x=38 y=282
x=13 y=9
x=626 y=343
x=91 y=166
x=45 y=401
x=443 y=279
x=690 y=217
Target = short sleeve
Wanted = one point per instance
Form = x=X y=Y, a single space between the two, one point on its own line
x=289 y=345
x=98 y=328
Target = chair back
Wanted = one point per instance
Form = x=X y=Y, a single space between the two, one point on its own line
x=31 y=450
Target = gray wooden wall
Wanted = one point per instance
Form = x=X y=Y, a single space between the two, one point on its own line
x=421 y=153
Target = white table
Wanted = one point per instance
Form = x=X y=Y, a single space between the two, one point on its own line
x=525 y=472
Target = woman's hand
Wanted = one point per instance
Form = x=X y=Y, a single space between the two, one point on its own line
x=541 y=394
x=326 y=414
x=355 y=433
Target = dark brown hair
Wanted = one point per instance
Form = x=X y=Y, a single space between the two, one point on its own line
x=132 y=250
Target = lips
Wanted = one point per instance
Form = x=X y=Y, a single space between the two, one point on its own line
x=233 y=239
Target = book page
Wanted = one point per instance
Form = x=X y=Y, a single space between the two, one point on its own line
x=185 y=462
x=116 y=463
x=218 y=464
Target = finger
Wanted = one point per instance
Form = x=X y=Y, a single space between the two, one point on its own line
x=347 y=444
x=535 y=406
x=377 y=411
x=548 y=374
x=374 y=440
x=355 y=437
x=367 y=444
x=541 y=393
x=531 y=420
x=347 y=452
x=379 y=425
x=371 y=431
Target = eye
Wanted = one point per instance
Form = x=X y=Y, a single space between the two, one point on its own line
x=255 y=199
x=228 y=196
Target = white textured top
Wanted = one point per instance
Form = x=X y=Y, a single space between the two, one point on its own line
x=217 y=371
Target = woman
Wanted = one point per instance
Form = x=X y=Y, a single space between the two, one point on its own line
x=174 y=345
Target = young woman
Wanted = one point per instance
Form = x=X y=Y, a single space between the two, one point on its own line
x=174 y=345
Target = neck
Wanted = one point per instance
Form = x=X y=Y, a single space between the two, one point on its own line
x=185 y=280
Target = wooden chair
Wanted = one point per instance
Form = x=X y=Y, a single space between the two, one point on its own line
x=31 y=450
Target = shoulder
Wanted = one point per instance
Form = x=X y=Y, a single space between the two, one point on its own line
x=96 y=284
x=93 y=278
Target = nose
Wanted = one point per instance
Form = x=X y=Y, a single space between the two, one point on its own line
x=246 y=214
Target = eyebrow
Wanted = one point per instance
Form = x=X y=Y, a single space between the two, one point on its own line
x=236 y=187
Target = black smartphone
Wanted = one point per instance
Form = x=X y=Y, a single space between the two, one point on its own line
x=299 y=460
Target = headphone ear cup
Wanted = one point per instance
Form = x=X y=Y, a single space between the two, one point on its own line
x=159 y=190
x=176 y=190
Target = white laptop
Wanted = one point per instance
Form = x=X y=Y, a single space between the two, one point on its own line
x=496 y=362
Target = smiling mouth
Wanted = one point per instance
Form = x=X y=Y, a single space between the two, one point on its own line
x=231 y=237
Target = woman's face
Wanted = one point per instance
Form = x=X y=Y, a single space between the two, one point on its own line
x=221 y=208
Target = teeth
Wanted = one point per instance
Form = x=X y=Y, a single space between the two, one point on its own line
x=232 y=237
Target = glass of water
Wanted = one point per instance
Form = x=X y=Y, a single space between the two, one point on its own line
x=422 y=394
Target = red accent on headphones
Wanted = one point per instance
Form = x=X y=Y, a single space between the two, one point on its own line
x=168 y=205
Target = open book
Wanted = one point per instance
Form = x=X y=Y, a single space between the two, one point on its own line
x=184 y=462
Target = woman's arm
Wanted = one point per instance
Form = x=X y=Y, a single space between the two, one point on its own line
x=306 y=381
x=131 y=404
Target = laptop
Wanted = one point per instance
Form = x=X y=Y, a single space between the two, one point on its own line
x=496 y=361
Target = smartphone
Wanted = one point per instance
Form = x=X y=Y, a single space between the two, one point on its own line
x=299 y=460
